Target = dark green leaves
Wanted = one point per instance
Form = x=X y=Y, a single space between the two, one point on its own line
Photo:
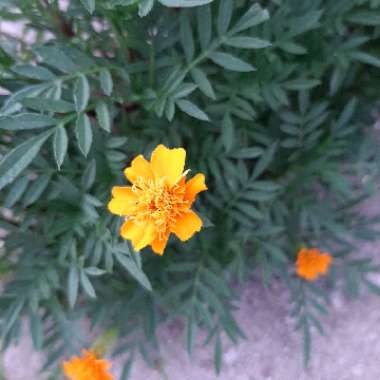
x=224 y=16
x=203 y=82
x=49 y=105
x=187 y=37
x=25 y=121
x=244 y=42
x=83 y=133
x=72 y=285
x=13 y=163
x=81 y=93
x=254 y=16
x=60 y=144
x=230 y=62
x=133 y=270
x=191 y=109
x=103 y=116
x=106 y=82
x=204 y=22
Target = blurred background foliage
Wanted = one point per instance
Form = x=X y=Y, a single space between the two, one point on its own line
x=274 y=101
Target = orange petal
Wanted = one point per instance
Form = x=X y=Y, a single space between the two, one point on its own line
x=139 y=235
x=168 y=163
x=187 y=226
x=140 y=167
x=194 y=186
x=123 y=201
x=159 y=245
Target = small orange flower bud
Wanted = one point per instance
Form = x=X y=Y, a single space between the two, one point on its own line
x=87 y=367
x=311 y=263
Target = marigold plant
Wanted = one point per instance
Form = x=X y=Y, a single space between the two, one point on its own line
x=272 y=104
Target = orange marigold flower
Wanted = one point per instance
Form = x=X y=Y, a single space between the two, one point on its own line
x=312 y=263
x=87 y=367
x=159 y=201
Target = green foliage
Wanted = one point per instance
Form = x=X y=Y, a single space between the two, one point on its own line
x=272 y=102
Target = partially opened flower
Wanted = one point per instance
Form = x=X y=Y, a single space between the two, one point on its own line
x=312 y=263
x=159 y=201
x=87 y=367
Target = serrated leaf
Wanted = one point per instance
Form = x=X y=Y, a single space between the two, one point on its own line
x=254 y=16
x=72 y=285
x=301 y=84
x=202 y=82
x=369 y=18
x=230 y=62
x=191 y=109
x=103 y=116
x=14 y=162
x=60 y=145
x=292 y=47
x=365 y=58
x=36 y=189
x=25 y=121
x=81 y=93
x=36 y=330
x=16 y=191
x=245 y=42
x=50 y=105
x=183 y=90
x=246 y=153
x=86 y=284
x=34 y=72
x=228 y=132
x=89 y=5
x=134 y=270
x=106 y=82
x=204 y=22
x=264 y=161
x=218 y=354
x=83 y=133
x=224 y=16
x=186 y=37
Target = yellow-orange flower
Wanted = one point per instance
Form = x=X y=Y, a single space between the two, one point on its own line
x=312 y=263
x=87 y=367
x=159 y=201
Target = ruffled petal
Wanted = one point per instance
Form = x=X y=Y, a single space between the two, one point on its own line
x=140 y=235
x=194 y=186
x=159 y=245
x=187 y=226
x=168 y=163
x=123 y=200
x=140 y=167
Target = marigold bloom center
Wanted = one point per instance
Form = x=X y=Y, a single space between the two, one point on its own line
x=157 y=202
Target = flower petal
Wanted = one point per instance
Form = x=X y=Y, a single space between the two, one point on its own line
x=187 y=226
x=140 y=167
x=123 y=201
x=139 y=235
x=194 y=186
x=168 y=163
x=159 y=245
